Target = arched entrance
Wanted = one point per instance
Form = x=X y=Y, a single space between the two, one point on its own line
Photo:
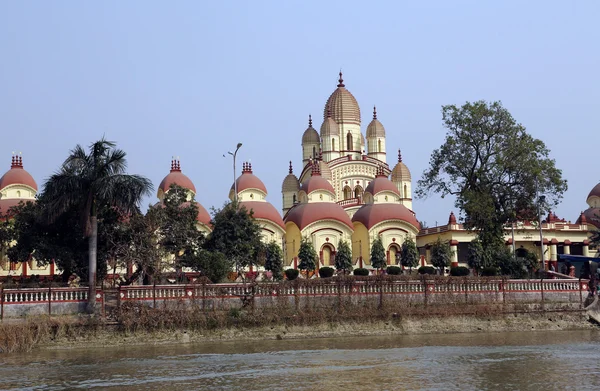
x=393 y=254
x=327 y=255
x=347 y=193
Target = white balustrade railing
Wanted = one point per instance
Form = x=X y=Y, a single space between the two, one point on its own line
x=45 y=295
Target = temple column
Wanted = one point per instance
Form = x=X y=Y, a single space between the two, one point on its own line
x=586 y=248
x=454 y=248
x=567 y=247
x=554 y=254
x=427 y=253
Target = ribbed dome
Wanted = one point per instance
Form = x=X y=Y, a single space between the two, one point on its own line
x=329 y=128
x=202 y=217
x=342 y=105
x=592 y=216
x=375 y=128
x=176 y=177
x=17 y=175
x=310 y=134
x=400 y=172
x=290 y=183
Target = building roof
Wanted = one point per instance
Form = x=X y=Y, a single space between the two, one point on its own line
x=6 y=204
x=176 y=177
x=400 y=172
x=381 y=183
x=342 y=105
x=248 y=180
x=595 y=192
x=17 y=175
x=592 y=216
x=265 y=211
x=304 y=214
x=375 y=128
x=316 y=181
x=329 y=128
x=310 y=134
x=371 y=214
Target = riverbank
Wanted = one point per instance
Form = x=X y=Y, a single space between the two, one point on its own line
x=73 y=333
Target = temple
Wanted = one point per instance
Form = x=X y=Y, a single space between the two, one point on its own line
x=345 y=190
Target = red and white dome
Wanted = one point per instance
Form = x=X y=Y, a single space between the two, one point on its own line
x=372 y=214
x=175 y=177
x=262 y=210
x=17 y=175
x=247 y=181
x=304 y=214
x=381 y=183
x=316 y=182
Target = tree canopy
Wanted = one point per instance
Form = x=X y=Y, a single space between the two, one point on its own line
x=493 y=167
x=441 y=255
x=378 y=259
x=236 y=235
x=307 y=255
x=274 y=260
x=409 y=256
x=343 y=257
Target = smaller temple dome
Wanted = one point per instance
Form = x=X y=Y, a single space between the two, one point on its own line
x=17 y=175
x=590 y=216
x=316 y=181
x=375 y=128
x=400 y=172
x=202 y=217
x=290 y=183
x=342 y=105
x=176 y=177
x=310 y=134
x=329 y=128
x=304 y=214
x=381 y=183
x=595 y=192
x=371 y=214
x=248 y=181
x=262 y=210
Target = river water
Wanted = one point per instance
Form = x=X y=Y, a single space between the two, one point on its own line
x=560 y=360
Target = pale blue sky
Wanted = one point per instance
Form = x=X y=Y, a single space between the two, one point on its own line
x=194 y=78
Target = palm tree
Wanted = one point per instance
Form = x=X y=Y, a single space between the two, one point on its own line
x=89 y=182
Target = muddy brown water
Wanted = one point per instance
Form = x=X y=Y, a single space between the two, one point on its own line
x=557 y=360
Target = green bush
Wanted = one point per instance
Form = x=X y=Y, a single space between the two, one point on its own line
x=459 y=271
x=291 y=274
x=426 y=270
x=326 y=272
x=361 y=271
x=489 y=271
x=394 y=270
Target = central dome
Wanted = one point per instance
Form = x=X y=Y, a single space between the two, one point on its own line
x=342 y=106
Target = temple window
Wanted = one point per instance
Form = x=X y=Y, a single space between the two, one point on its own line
x=350 y=145
x=379 y=145
x=347 y=193
x=333 y=144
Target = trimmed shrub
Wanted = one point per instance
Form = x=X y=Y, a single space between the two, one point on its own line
x=326 y=272
x=426 y=270
x=489 y=271
x=291 y=274
x=361 y=271
x=459 y=271
x=394 y=270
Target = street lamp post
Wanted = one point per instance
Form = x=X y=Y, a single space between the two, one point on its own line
x=235 y=195
x=540 y=199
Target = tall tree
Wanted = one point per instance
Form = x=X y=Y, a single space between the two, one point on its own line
x=237 y=235
x=308 y=256
x=378 y=260
x=410 y=256
x=274 y=260
x=441 y=255
x=478 y=258
x=343 y=257
x=493 y=167
x=88 y=182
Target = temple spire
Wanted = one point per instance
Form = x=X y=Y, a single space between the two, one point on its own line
x=374 y=112
x=291 y=170
x=341 y=80
x=310 y=121
x=399 y=156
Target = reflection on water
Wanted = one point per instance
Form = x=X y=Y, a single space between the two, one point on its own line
x=495 y=361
